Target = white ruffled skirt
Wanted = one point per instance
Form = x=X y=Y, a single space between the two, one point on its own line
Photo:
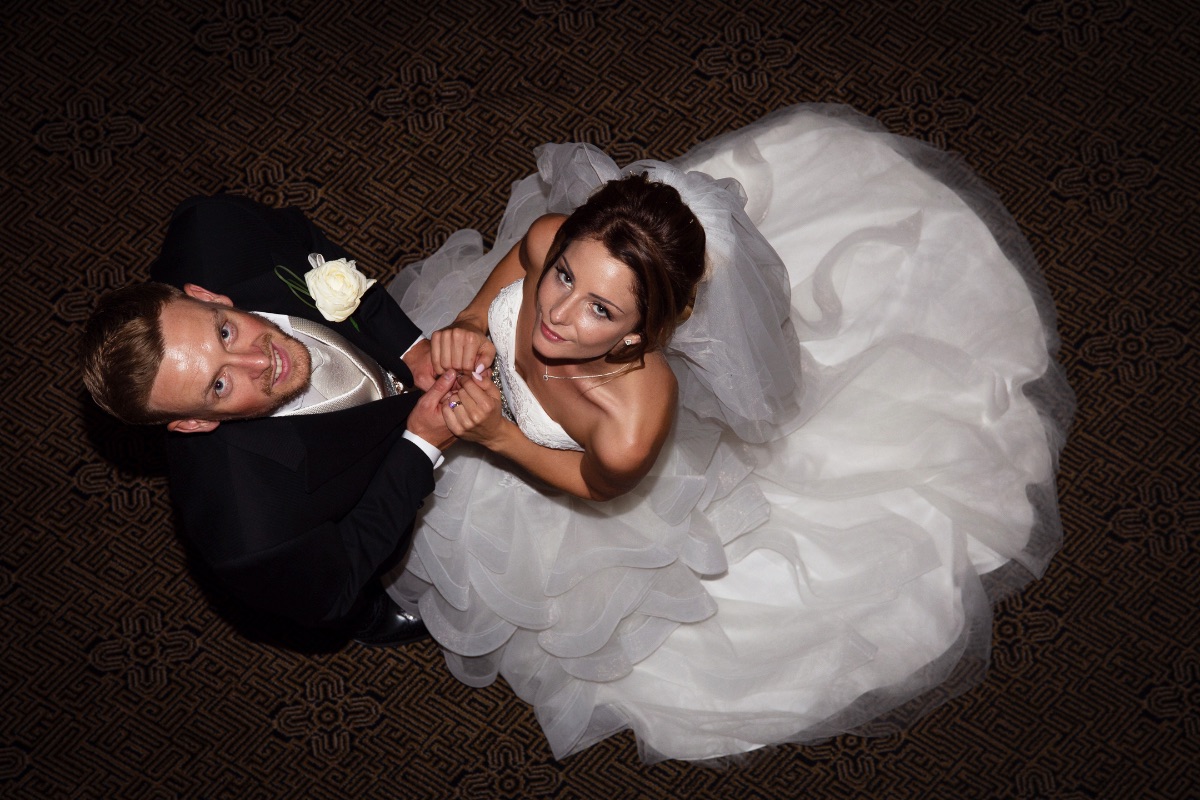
x=839 y=575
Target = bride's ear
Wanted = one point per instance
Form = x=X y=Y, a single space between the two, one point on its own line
x=625 y=345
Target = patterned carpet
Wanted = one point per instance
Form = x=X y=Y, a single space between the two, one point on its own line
x=394 y=127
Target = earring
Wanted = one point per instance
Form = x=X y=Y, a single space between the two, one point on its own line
x=629 y=342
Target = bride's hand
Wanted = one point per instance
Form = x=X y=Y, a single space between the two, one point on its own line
x=473 y=412
x=461 y=346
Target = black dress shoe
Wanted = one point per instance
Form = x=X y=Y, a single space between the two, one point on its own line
x=388 y=625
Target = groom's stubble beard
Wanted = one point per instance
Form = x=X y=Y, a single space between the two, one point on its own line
x=301 y=358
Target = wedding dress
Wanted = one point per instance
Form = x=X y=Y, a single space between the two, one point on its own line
x=863 y=458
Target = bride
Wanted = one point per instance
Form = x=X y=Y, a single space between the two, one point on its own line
x=595 y=296
x=867 y=417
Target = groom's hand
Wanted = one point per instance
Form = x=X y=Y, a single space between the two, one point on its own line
x=462 y=346
x=426 y=417
x=420 y=363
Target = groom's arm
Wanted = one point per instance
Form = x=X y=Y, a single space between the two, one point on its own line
x=280 y=544
x=316 y=578
x=297 y=515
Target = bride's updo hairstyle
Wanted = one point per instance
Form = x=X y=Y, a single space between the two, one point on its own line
x=647 y=226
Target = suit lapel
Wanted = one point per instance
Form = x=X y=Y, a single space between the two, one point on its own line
x=386 y=332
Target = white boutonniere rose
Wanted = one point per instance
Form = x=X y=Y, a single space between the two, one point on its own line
x=336 y=286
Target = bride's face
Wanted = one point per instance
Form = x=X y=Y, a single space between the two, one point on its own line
x=586 y=304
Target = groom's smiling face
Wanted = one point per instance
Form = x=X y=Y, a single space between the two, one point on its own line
x=220 y=363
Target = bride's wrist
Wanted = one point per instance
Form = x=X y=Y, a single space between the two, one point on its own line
x=470 y=322
x=507 y=440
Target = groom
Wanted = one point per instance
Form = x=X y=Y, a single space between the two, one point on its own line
x=299 y=448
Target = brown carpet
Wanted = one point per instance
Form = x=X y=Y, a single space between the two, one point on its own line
x=393 y=128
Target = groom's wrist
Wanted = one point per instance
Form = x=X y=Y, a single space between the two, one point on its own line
x=435 y=456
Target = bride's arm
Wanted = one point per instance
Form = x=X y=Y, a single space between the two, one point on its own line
x=463 y=344
x=618 y=450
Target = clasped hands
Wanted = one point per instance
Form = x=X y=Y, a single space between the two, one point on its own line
x=472 y=406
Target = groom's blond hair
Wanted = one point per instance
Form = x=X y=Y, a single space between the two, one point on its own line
x=122 y=350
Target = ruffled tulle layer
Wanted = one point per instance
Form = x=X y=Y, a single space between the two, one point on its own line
x=802 y=560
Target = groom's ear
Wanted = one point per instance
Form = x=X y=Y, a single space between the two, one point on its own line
x=192 y=425
x=205 y=296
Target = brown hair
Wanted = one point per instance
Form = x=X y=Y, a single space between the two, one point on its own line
x=647 y=226
x=122 y=349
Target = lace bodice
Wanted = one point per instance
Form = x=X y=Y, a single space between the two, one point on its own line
x=528 y=413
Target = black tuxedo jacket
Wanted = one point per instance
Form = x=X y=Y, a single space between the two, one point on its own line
x=293 y=515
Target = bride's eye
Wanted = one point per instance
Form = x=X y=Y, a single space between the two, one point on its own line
x=563 y=276
x=601 y=311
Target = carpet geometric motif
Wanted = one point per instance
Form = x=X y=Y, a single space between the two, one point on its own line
x=394 y=125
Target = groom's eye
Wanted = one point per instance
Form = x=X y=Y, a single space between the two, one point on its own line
x=219 y=387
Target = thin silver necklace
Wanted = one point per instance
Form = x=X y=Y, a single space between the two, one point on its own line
x=547 y=376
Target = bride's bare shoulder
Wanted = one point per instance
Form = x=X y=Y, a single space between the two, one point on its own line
x=635 y=413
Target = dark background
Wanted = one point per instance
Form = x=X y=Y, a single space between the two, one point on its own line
x=394 y=126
